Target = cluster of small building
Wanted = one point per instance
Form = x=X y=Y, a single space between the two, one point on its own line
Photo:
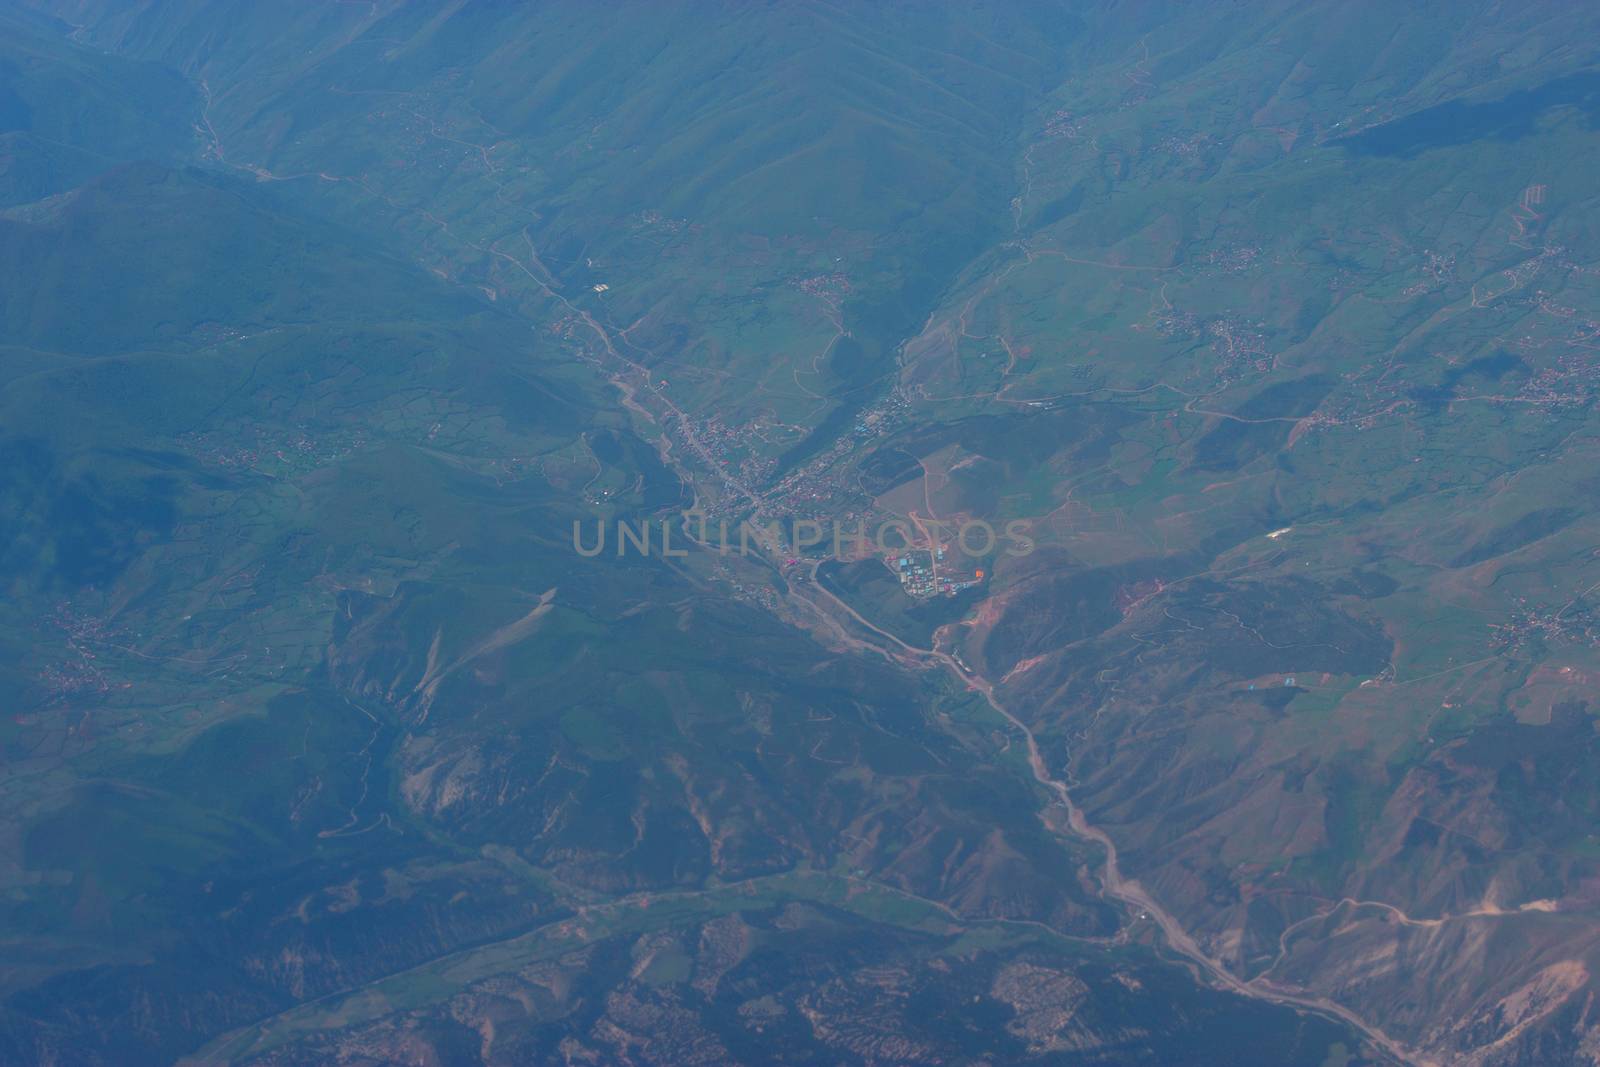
x=1541 y=626
x=273 y=450
x=826 y=487
x=921 y=576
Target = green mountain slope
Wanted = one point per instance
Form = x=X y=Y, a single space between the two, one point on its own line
x=323 y=326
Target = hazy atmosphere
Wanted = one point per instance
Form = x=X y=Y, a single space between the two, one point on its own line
x=804 y=533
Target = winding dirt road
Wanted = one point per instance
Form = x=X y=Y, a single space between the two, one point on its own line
x=1132 y=894
x=1127 y=890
